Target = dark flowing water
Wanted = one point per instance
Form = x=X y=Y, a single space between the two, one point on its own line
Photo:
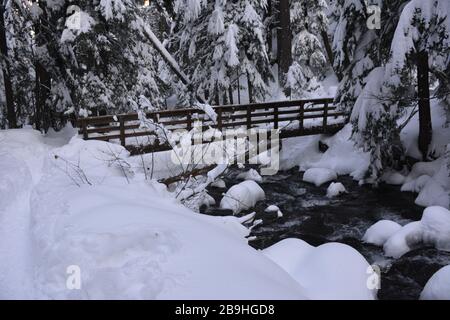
x=309 y=215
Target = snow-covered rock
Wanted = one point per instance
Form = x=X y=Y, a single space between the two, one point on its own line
x=438 y=287
x=219 y=183
x=342 y=156
x=242 y=196
x=393 y=177
x=431 y=180
x=274 y=209
x=380 y=232
x=415 y=185
x=251 y=174
x=329 y=271
x=319 y=176
x=335 y=189
x=433 y=229
x=207 y=201
x=405 y=239
x=436 y=227
x=433 y=194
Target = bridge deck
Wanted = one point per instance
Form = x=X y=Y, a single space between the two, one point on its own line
x=292 y=118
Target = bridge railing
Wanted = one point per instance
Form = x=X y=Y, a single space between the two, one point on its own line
x=291 y=116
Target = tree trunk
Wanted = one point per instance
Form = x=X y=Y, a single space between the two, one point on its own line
x=423 y=87
x=284 y=40
x=230 y=93
x=43 y=80
x=10 y=111
x=326 y=43
x=269 y=28
x=250 y=89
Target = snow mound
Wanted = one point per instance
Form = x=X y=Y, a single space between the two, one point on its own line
x=242 y=196
x=335 y=189
x=432 y=229
x=431 y=180
x=342 y=156
x=219 y=183
x=393 y=177
x=129 y=239
x=405 y=239
x=251 y=174
x=433 y=194
x=415 y=185
x=319 y=176
x=329 y=271
x=274 y=208
x=380 y=232
x=438 y=287
x=436 y=227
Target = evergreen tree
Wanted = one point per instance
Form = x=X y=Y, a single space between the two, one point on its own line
x=420 y=41
x=308 y=22
x=217 y=41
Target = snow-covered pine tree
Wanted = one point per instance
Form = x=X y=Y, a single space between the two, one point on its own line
x=421 y=46
x=420 y=26
x=114 y=66
x=217 y=41
x=308 y=22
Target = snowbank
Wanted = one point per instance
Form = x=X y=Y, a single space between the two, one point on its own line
x=432 y=229
x=438 y=287
x=335 y=189
x=342 y=156
x=319 y=176
x=82 y=206
x=242 y=196
x=329 y=271
x=432 y=181
x=380 y=232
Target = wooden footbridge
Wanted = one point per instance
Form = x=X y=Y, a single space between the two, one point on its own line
x=292 y=118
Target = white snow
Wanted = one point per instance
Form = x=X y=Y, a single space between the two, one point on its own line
x=219 y=183
x=438 y=286
x=433 y=229
x=432 y=181
x=251 y=174
x=242 y=196
x=393 y=177
x=131 y=240
x=319 y=176
x=335 y=189
x=274 y=208
x=436 y=227
x=329 y=271
x=380 y=232
x=405 y=239
x=342 y=156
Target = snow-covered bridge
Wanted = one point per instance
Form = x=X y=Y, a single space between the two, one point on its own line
x=292 y=118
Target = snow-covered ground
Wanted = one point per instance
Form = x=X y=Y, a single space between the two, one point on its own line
x=69 y=204
x=72 y=208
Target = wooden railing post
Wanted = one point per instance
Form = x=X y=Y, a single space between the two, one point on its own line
x=189 y=121
x=325 y=117
x=122 y=130
x=275 y=117
x=300 y=115
x=249 y=117
x=84 y=127
x=219 y=118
